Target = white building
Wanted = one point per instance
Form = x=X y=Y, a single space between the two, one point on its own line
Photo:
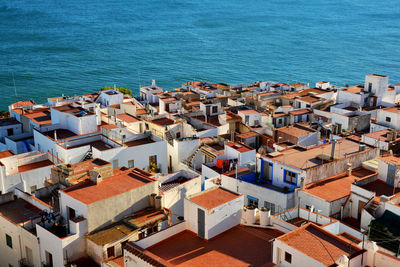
x=151 y=93
x=19 y=214
x=250 y=117
x=311 y=245
x=27 y=172
x=110 y=97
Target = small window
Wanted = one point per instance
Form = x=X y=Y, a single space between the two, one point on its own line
x=252 y=201
x=308 y=207
x=130 y=164
x=33 y=189
x=10 y=131
x=214 y=109
x=388 y=119
x=290 y=177
x=270 y=206
x=153 y=160
x=115 y=164
x=110 y=252
x=288 y=257
x=9 y=241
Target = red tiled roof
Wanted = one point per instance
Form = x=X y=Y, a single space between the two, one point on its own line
x=35 y=165
x=23 y=103
x=338 y=186
x=213 y=198
x=240 y=246
x=249 y=111
x=392 y=159
x=240 y=147
x=127 y=118
x=319 y=244
x=6 y=154
x=40 y=117
x=299 y=112
x=89 y=193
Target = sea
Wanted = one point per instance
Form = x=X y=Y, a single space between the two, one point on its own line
x=54 y=47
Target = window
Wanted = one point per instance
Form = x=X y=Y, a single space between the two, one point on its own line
x=130 y=164
x=214 y=109
x=270 y=206
x=10 y=131
x=71 y=213
x=388 y=119
x=9 y=241
x=288 y=257
x=280 y=121
x=308 y=207
x=33 y=188
x=115 y=163
x=290 y=177
x=267 y=171
x=110 y=252
x=308 y=105
x=252 y=201
x=153 y=160
x=369 y=87
x=49 y=259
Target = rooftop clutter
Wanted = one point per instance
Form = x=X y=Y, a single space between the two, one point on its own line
x=302 y=175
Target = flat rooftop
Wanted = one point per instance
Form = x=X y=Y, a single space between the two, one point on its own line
x=99 y=145
x=380 y=188
x=35 y=165
x=296 y=130
x=59 y=134
x=174 y=183
x=139 y=142
x=308 y=158
x=240 y=147
x=40 y=117
x=19 y=211
x=6 y=154
x=111 y=233
x=127 y=118
x=89 y=192
x=87 y=165
x=319 y=244
x=239 y=246
x=338 y=186
x=163 y=121
x=8 y=122
x=214 y=197
x=75 y=111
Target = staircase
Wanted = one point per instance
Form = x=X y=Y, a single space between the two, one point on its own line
x=88 y=155
x=188 y=161
x=169 y=137
x=373 y=207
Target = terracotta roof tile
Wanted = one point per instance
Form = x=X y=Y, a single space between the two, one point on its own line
x=213 y=198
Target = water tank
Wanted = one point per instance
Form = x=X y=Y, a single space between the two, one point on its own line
x=265 y=216
x=251 y=215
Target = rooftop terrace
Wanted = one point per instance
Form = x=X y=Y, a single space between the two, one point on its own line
x=19 y=211
x=226 y=249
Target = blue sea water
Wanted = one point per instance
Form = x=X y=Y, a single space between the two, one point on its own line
x=72 y=47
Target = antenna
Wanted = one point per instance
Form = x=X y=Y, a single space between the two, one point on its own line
x=138 y=74
x=15 y=88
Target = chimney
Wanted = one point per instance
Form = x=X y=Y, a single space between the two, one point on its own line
x=152 y=199
x=159 y=203
x=333 y=149
x=153 y=83
x=302 y=184
x=95 y=176
x=348 y=170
